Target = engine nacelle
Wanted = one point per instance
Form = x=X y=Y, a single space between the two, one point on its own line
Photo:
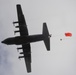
x=17 y=26
x=16 y=31
x=21 y=53
x=21 y=57
x=19 y=48
x=15 y=22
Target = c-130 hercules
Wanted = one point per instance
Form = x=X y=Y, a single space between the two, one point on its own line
x=25 y=39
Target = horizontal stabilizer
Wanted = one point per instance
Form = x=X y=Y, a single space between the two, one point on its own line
x=46 y=36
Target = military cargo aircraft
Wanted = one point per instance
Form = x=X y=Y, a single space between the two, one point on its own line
x=25 y=39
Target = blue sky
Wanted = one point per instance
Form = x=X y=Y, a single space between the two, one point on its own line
x=60 y=16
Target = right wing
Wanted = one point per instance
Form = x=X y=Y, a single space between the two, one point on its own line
x=27 y=56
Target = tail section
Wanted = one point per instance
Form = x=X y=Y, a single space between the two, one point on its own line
x=46 y=36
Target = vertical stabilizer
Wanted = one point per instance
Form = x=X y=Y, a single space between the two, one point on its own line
x=46 y=36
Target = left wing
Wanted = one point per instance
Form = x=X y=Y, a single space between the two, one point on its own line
x=21 y=21
x=24 y=32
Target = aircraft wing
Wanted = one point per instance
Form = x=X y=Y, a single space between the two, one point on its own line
x=27 y=56
x=24 y=32
x=21 y=21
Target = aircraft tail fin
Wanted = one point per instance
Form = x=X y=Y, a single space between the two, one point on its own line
x=46 y=36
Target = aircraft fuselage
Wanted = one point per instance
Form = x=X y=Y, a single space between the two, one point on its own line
x=23 y=39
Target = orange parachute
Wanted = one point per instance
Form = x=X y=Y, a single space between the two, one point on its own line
x=68 y=34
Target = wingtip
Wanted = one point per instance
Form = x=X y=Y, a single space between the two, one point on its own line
x=18 y=5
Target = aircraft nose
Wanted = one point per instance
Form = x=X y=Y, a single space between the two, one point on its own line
x=3 y=41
